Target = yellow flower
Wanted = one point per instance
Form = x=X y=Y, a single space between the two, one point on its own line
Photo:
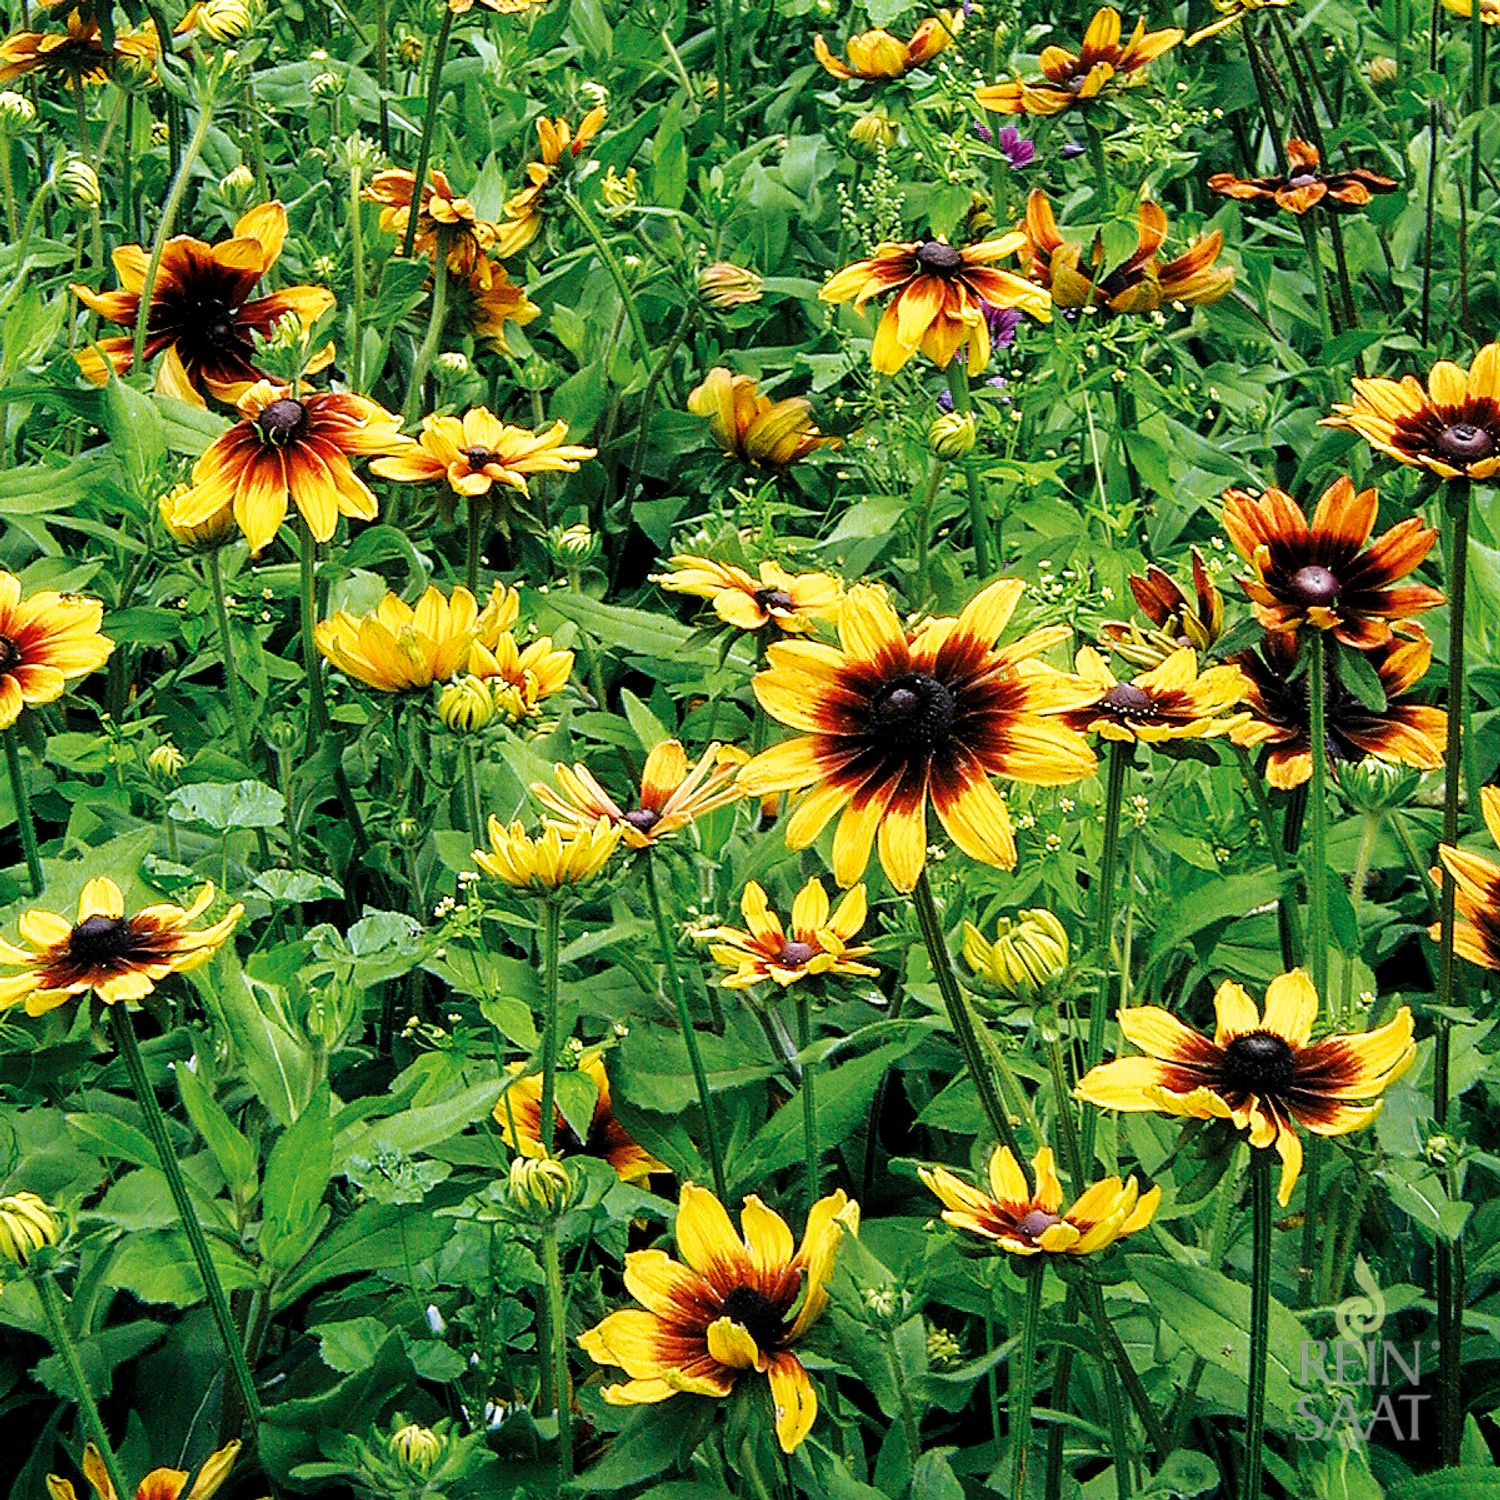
x=404 y=648
x=753 y=428
x=792 y=602
x=1023 y=1222
x=496 y=300
x=1261 y=1070
x=1174 y=701
x=26 y=1224
x=550 y=861
x=1231 y=13
x=118 y=958
x=878 y=56
x=672 y=795
x=445 y=220
x=1476 y=936
x=478 y=451
x=1028 y=953
x=46 y=642
x=524 y=211
x=732 y=1304
x=820 y=942
x=522 y=679
x=78 y=54
x=159 y=1484
x=215 y=530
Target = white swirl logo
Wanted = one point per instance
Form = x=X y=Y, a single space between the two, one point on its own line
x=1357 y=1317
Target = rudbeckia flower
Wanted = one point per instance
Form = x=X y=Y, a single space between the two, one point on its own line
x=503 y=7
x=820 y=941
x=1173 y=701
x=291 y=450
x=1489 y=10
x=78 y=54
x=1102 y=65
x=551 y=861
x=27 y=1224
x=1326 y=573
x=1261 y=1070
x=879 y=56
x=202 y=317
x=672 y=796
x=445 y=220
x=1476 y=935
x=522 y=678
x=754 y=428
x=117 y=957
x=1231 y=13
x=732 y=1304
x=404 y=648
x=1405 y=734
x=1023 y=1222
x=159 y=1484
x=477 y=451
x=46 y=642
x=495 y=301
x=1176 y=620
x=793 y=602
x=890 y=719
x=519 y=1116
x=1138 y=284
x=941 y=294
x=1304 y=185
x=1452 y=427
x=525 y=210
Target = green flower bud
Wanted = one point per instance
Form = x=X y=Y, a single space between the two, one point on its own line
x=26 y=1224
x=225 y=20
x=1029 y=953
x=573 y=546
x=17 y=112
x=725 y=285
x=540 y=1187
x=416 y=1446
x=1374 y=786
x=77 y=184
x=165 y=763
x=951 y=435
x=875 y=129
x=465 y=704
x=238 y=182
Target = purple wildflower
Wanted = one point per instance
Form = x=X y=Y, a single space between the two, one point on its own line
x=983 y=132
x=1003 y=323
x=1073 y=148
x=945 y=401
x=1015 y=147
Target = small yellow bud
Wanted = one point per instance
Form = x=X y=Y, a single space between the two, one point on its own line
x=237 y=182
x=619 y=193
x=875 y=129
x=202 y=536
x=417 y=1446
x=165 y=763
x=465 y=705
x=1029 y=953
x=409 y=49
x=540 y=1186
x=1381 y=70
x=225 y=20
x=17 y=112
x=725 y=285
x=77 y=184
x=951 y=435
x=26 y=1224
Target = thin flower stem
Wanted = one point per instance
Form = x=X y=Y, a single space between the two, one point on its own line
x=678 y=996
x=427 y=350
x=1449 y=1262
x=357 y=262
x=22 y=798
x=551 y=929
x=1290 y=916
x=1317 y=864
x=67 y=1351
x=721 y=65
x=1369 y=833
x=1111 y=1342
x=1114 y=797
x=473 y=517
x=169 y=217
x=924 y=527
x=1023 y=1377
x=383 y=72
x=616 y=272
x=236 y=692
x=809 y=1099
x=1062 y=1101
x=909 y=1424
x=471 y=791
x=979 y=520
x=1430 y=210
x=959 y=1018
x=156 y=1128
x=312 y=658
x=1119 y=1440
x=557 y=1340
x=1260 y=1320
x=429 y=124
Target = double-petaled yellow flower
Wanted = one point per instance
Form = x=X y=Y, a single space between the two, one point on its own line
x=554 y=860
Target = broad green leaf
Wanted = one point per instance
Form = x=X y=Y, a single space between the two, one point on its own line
x=234 y=1154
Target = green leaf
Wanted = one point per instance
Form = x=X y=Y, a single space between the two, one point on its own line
x=297 y=886
x=1449 y=1484
x=137 y=435
x=225 y=806
x=1353 y=669
x=415 y=1130
x=297 y=1175
x=1206 y=906
x=156 y=1266
x=234 y=1154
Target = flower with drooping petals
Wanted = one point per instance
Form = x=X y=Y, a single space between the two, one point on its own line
x=820 y=940
x=1304 y=185
x=754 y=428
x=877 y=56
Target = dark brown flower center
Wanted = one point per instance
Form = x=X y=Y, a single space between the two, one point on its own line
x=775 y=599
x=477 y=458
x=99 y=939
x=915 y=711
x=1127 y=699
x=1260 y=1062
x=935 y=256
x=1465 y=442
x=282 y=420
x=757 y=1315
x=1033 y=1225
x=643 y=819
x=10 y=653
x=1302 y=179
x=1314 y=586
x=794 y=954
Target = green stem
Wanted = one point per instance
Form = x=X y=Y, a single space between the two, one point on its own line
x=1260 y=1320
x=1359 y=880
x=1114 y=797
x=557 y=1338
x=22 y=798
x=427 y=350
x=471 y=791
x=156 y=1128
x=357 y=263
x=1291 y=917
x=1103 y=197
x=383 y=72
x=809 y=1099
x=429 y=124
x=962 y=1022
x=551 y=928
x=1023 y=1378
x=236 y=693
x=169 y=218
x=1111 y=1342
x=616 y=272
x=685 y=1024
x=312 y=658
x=924 y=528
x=979 y=521
x=473 y=517
x=721 y=65
x=67 y=1351
x=1317 y=863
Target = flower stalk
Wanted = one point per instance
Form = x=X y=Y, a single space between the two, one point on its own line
x=809 y=1099
x=557 y=1340
x=1260 y=1320
x=1023 y=1375
x=551 y=928
x=21 y=796
x=979 y=520
x=429 y=125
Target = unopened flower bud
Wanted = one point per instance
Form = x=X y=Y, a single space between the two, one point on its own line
x=201 y=536
x=409 y=49
x=874 y=129
x=1373 y=786
x=325 y=85
x=725 y=285
x=453 y=364
x=573 y=546
x=951 y=434
x=17 y=112
x=237 y=182
x=160 y=133
x=77 y=184
x=465 y=704
x=165 y=763
x=26 y=1224
x=408 y=832
x=540 y=1186
x=323 y=266
x=282 y=734
x=1029 y=953
x=1381 y=70
x=619 y=194
x=1441 y=1151
x=133 y=71
x=416 y=1446
x=943 y=1348
x=224 y=20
